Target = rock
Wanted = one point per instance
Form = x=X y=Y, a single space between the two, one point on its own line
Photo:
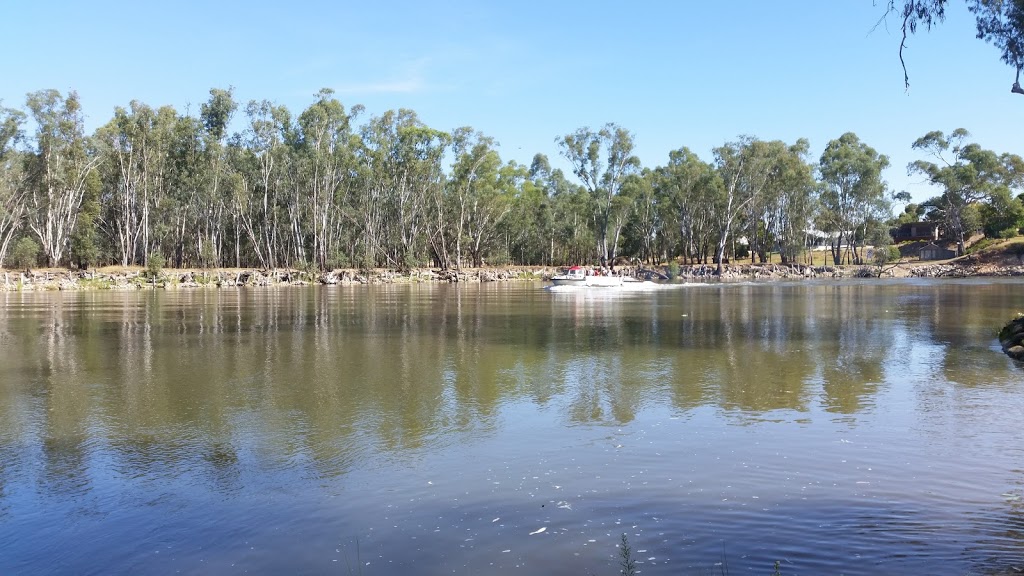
x=1011 y=337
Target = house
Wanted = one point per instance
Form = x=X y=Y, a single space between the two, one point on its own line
x=931 y=251
x=917 y=231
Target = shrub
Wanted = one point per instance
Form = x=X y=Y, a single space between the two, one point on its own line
x=886 y=254
x=25 y=253
x=672 y=271
x=155 y=265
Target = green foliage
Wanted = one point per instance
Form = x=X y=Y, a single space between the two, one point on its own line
x=1000 y=23
x=672 y=271
x=1002 y=216
x=392 y=192
x=207 y=256
x=983 y=244
x=85 y=240
x=853 y=193
x=338 y=259
x=499 y=258
x=154 y=266
x=602 y=161
x=59 y=169
x=911 y=213
x=970 y=178
x=884 y=255
x=25 y=253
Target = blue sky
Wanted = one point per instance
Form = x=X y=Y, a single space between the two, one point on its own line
x=675 y=73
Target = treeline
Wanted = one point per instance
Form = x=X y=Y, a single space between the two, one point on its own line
x=329 y=189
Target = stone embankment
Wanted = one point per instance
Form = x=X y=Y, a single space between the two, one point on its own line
x=135 y=279
x=47 y=280
x=963 y=271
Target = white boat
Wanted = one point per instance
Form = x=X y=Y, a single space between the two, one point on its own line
x=580 y=276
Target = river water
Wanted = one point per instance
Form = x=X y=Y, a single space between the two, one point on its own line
x=855 y=427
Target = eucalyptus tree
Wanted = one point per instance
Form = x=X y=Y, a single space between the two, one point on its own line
x=213 y=205
x=602 y=161
x=326 y=154
x=644 y=226
x=560 y=212
x=493 y=197
x=134 y=145
x=782 y=216
x=689 y=191
x=476 y=162
x=529 y=226
x=1003 y=215
x=260 y=159
x=483 y=192
x=59 y=164
x=86 y=244
x=574 y=213
x=797 y=206
x=968 y=176
x=1000 y=22
x=745 y=167
x=402 y=159
x=853 y=191
x=198 y=201
x=760 y=220
x=12 y=177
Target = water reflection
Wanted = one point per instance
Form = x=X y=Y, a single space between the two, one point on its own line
x=404 y=367
x=136 y=399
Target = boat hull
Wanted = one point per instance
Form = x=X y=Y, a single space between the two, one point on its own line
x=589 y=281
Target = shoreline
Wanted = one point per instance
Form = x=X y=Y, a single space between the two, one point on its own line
x=116 y=278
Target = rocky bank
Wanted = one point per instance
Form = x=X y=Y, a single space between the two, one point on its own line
x=138 y=279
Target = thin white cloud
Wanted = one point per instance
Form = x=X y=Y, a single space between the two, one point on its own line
x=406 y=86
x=409 y=81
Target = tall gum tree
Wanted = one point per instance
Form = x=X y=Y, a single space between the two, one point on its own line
x=853 y=190
x=58 y=168
x=688 y=191
x=133 y=144
x=215 y=114
x=12 y=178
x=745 y=167
x=781 y=219
x=476 y=161
x=326 y=159
x=602 y=161
x=401 y=172
x=766 y=220
x=967 y=174
x=256 y=202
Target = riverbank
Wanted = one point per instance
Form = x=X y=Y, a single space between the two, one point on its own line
x=119 y=278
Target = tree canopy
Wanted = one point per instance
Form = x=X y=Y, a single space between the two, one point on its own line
x=999 y=22
x=256 y=185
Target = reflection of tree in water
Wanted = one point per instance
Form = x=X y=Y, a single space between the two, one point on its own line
x=222 y=382
x=961 y=320
x=67 y=405
x=853 y=347
x=735 y=347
